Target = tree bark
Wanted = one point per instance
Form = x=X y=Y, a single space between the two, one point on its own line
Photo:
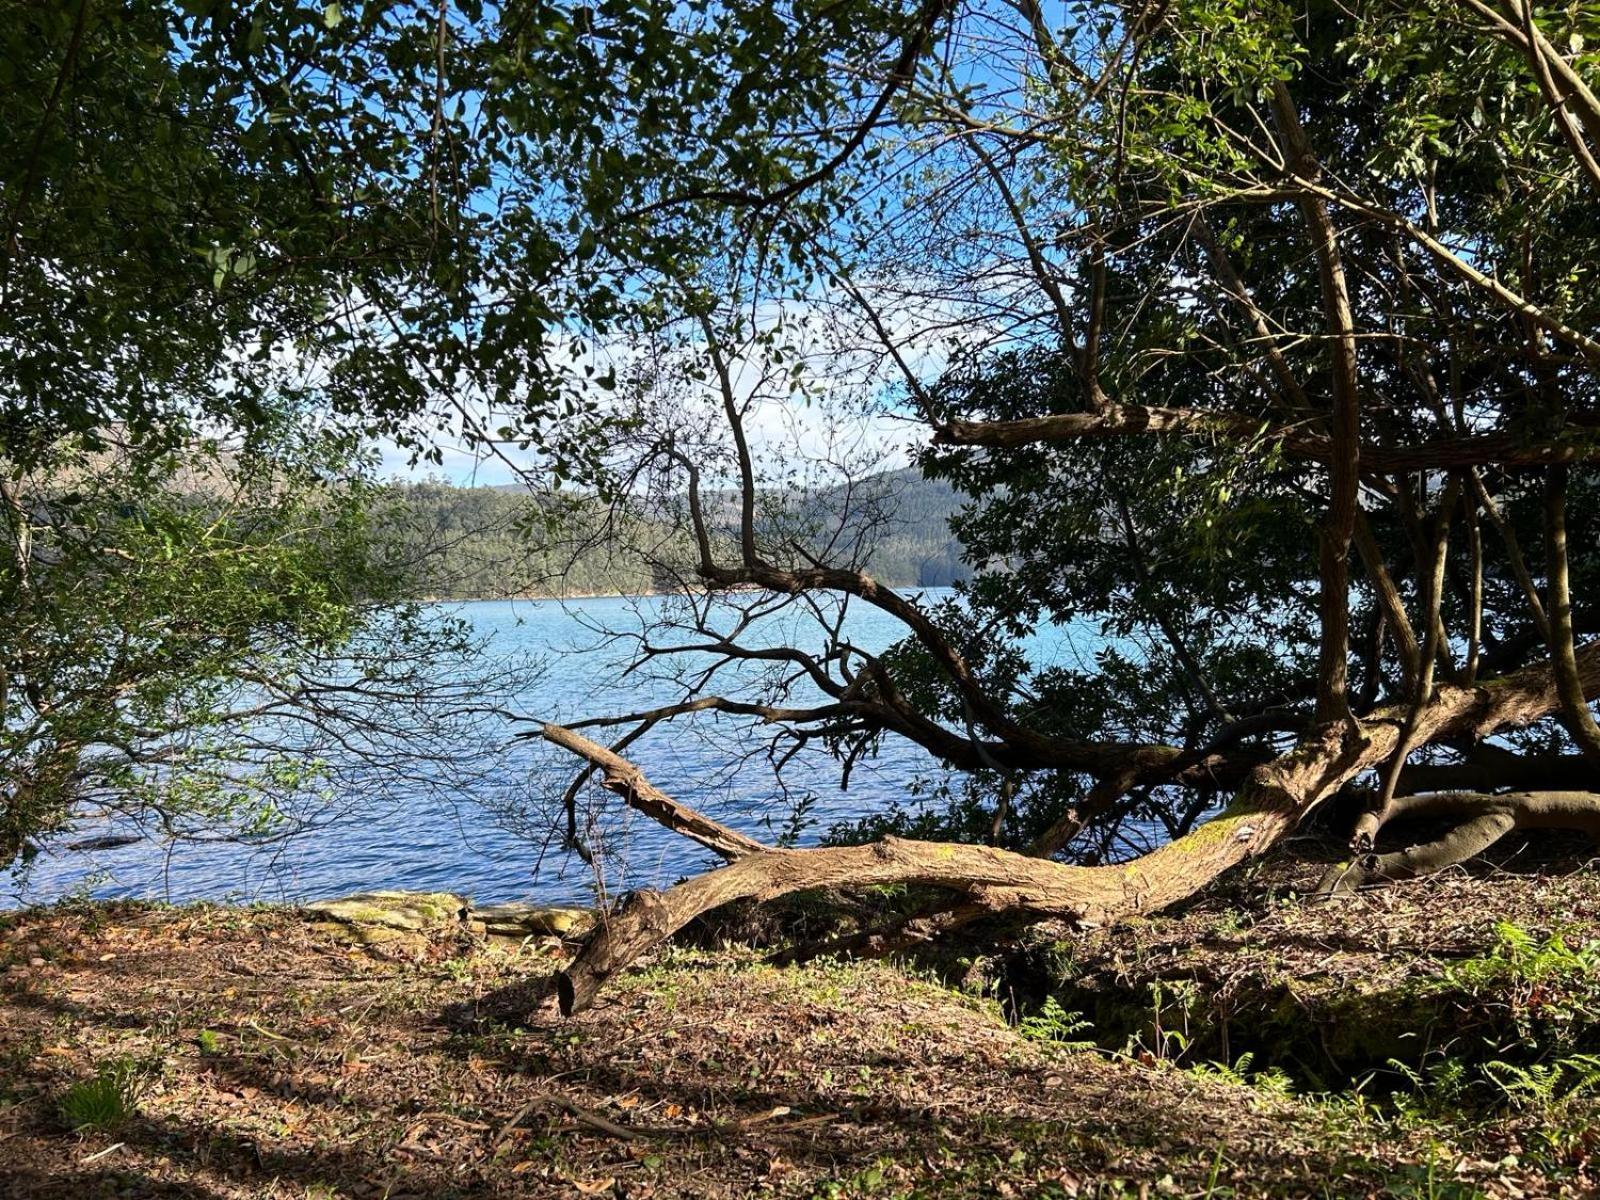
x=1575 y=712
x=1132 y=420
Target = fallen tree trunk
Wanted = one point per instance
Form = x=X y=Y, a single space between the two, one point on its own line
x=1274 y=799
x=992 y=879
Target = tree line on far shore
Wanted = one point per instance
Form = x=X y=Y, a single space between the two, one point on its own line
x=470 y=543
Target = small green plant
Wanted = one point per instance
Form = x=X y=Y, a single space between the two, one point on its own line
x=1179 y=997
x=209 y=1044
x=1231 y=921
x=107 y=1099
x=1551 y=988
x=1052 y=1023
x=1214 y=1190
x=1439 y=1086
x=1243 y=1073
x=1431 y=1180
x=1542 y=1086
x=1157 y=1045
x=871 y=1181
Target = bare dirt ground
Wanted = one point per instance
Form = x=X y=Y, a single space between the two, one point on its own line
x=275 y=1058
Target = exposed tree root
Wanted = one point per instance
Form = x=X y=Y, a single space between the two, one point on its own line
x=1485 y=819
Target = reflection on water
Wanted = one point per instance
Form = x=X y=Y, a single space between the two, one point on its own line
x=714 y=766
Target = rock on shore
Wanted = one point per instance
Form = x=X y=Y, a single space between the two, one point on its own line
x=398 y=918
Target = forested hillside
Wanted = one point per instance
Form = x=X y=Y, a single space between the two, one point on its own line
x=484 y=542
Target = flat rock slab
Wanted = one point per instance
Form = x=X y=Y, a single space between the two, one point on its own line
x=396 y=919
x=532 y=920
x=409 y=912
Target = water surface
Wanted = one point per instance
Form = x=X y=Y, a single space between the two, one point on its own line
x=414 y=843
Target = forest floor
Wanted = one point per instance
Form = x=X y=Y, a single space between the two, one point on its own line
x=1243 y=1050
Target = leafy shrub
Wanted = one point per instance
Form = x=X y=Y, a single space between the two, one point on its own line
x=1551 y=989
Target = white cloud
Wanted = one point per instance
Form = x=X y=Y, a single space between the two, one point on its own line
x=849 y=410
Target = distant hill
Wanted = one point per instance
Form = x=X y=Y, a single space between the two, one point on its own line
x=484 y=542
x=909 y=543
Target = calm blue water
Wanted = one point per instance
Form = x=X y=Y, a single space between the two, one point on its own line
x=494 y=844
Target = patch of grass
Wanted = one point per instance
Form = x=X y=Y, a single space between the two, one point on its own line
x=108 y=1098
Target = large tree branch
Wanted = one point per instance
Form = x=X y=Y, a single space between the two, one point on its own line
x=1274 y=799
x=1014 y=745
x=1431 y=598
x=628 y=781
x=1572 y=772
x=1540 y=55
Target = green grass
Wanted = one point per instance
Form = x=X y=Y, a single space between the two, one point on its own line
x=107 y=1099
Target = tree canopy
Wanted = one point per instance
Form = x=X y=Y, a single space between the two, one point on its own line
x=421 y=216
x=240 y=242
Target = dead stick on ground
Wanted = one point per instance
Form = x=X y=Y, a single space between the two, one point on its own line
x=595 y=1121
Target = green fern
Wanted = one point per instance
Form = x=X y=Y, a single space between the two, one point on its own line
x=1052 y=1023
x=1241 y=1072
x=1544 y=1085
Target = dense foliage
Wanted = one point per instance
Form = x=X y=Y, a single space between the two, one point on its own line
x=1186 y=289
x=216 y=644
x=261 y=226
x=428 y=212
